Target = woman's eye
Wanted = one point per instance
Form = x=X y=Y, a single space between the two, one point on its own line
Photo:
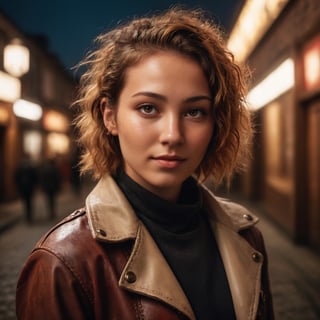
x=147 y=109
x=195 y=113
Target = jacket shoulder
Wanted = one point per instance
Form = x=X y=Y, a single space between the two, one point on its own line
x=67 y=228
x=236 y=210
x=228 y=212
x=72 y=243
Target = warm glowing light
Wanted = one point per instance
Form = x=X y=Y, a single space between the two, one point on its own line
x=4 y=115
x=311 y=60
x=254 y=20
x=55 y=121
x=58 y=143
x=276 y=83
x=10 y=87
x=16 y=58
x=312 y=67
x=28 y=110
x=32 y=143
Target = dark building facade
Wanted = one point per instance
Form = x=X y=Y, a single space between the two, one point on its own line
x=284 y=174
x=35 y=112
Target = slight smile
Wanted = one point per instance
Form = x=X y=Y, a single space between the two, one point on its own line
x=169 y=161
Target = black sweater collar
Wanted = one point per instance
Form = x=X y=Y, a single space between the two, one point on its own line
x=174 y=217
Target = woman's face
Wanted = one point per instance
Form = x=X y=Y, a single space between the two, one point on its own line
x=163 y=120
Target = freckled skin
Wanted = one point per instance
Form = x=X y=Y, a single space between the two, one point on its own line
x=163 y=120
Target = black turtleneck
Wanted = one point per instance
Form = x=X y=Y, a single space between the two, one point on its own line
x=183 y=235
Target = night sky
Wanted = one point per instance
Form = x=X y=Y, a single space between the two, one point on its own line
x=71 y=25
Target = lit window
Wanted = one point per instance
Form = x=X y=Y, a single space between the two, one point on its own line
x=58 y=143
x=32 y=142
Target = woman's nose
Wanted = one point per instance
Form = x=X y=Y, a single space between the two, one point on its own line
x=171 y=130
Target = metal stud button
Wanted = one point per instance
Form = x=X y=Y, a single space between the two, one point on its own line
x=248 y=217
x=130 y=277
x=101 y=232
x=74 y=213
x=256 y=257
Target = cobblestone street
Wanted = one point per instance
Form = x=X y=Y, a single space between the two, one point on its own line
x=15 y=244
x=294 y=270
x=17 y=241
x=294 y=275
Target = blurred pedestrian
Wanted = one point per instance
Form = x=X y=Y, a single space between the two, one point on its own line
x=50 y=183
x=26 y=181
x=163 y=109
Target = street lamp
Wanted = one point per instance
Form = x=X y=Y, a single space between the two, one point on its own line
x=16 y=58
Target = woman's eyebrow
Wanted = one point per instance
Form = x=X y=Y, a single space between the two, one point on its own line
x=197 y=98
x=163 y=98
x=151 y=95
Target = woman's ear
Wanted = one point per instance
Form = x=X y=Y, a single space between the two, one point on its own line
x=109 y=116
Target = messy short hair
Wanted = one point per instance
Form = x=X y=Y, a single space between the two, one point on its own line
x=187 y=32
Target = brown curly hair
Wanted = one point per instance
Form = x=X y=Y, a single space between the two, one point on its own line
x=192 y=34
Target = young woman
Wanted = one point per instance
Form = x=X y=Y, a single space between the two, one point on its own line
x=162 y=109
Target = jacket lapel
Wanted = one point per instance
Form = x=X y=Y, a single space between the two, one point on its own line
x=153 y=275
x=242 y=263
x=242 y=271
x=111 y=219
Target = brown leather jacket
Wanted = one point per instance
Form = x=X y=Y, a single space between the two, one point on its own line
x=101 y=263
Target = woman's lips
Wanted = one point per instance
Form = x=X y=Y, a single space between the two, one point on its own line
x=167 y=161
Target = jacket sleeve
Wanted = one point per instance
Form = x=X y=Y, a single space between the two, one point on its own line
x=255 y=238
x=48 y=289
